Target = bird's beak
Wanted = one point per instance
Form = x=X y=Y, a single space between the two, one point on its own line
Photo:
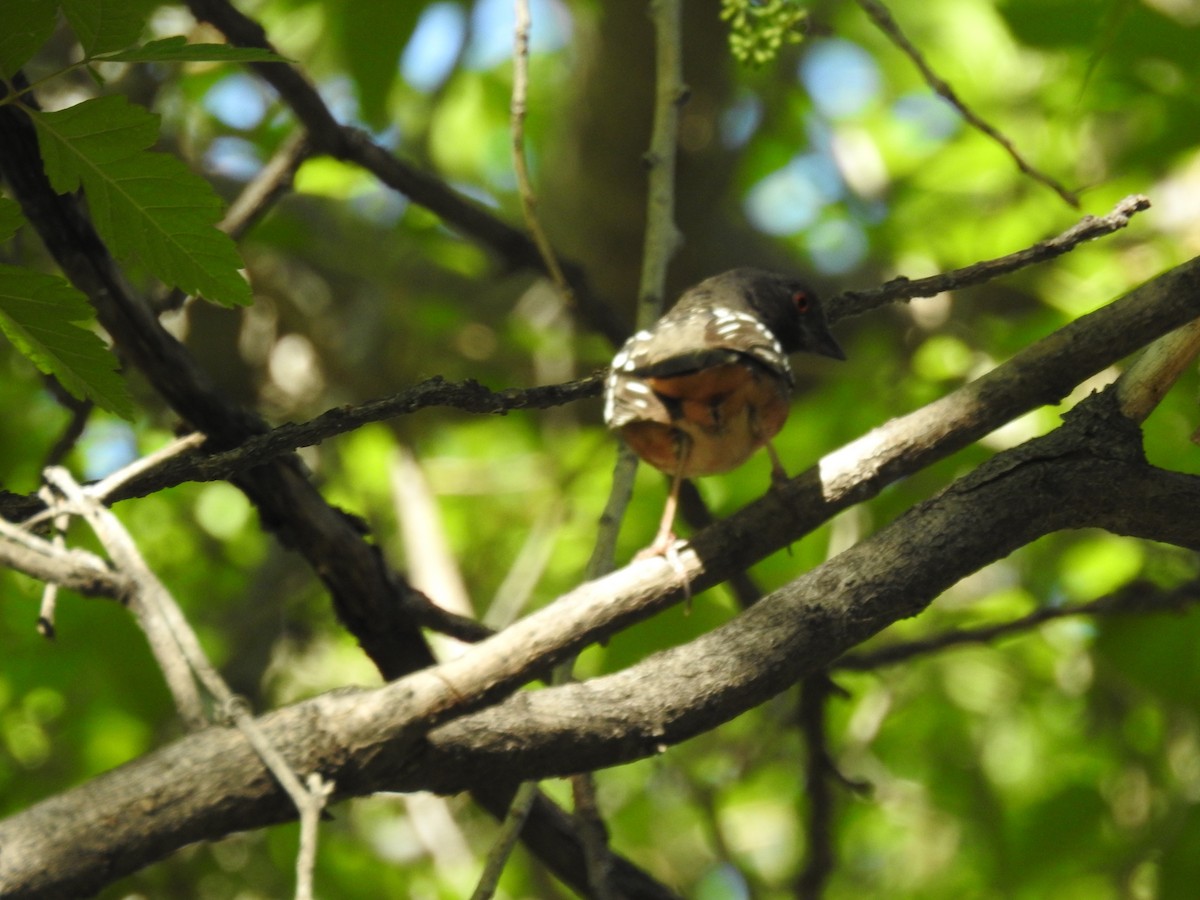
x=827 y=346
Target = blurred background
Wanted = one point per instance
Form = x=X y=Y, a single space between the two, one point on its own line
x=1062 y=762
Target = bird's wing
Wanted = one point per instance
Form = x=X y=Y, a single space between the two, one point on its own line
x=691 y=338
x=686 y=340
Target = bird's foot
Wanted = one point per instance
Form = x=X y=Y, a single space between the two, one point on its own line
x=667 y=546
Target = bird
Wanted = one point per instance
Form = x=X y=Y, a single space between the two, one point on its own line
x=710 y=383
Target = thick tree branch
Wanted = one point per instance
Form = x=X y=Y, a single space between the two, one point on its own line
x=1089 y=473
x=1042 y=373
x=359 y=739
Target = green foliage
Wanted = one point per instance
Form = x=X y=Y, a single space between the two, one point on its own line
x=147 y=206
x=11 y=218
x=1060 y=761
x=39 y=314
x=26 y=27
x=104 y=27
x=759 y=29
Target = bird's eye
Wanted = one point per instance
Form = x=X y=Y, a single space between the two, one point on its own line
x=802 y=301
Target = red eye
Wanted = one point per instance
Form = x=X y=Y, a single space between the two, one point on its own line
x=801 y=300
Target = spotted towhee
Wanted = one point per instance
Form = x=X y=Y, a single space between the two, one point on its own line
x=710 y=383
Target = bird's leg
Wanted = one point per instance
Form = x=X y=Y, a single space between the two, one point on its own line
x=779 y=474
x=665 y=539
x=664 y=542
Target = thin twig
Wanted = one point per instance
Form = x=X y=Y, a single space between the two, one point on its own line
x=1137 y=597
x=818 y=789
x=469 y=396
x=506 y=840
x=142 y=598
x=432 y=568
x=265 y=189
x=597 y=854
x=882 y=17
x=703 y=794
x=608 y=526
x=108 y=485
x=45 y=620
x=527 y=568
x=855 y=303
x=309 y=798
x=74 y=569
x=661 y=241
x=527 y=792
x=182 y=659
x=520 y=162
x=662 y=234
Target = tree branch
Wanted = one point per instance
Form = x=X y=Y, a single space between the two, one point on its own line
x=470 y=396
x=372 y=601
x=327 y=135
x=1136 y=597
x=361 y=739
x=855 y=303
x=1088 y=473
x=882 y=17
x=363 y=589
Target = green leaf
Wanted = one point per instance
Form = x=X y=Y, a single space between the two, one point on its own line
x=11 y=218
x=107 y=26
x=38 y=313
x=177 y=49
x=373 y=36
x=27 y=25
x=147 y=206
